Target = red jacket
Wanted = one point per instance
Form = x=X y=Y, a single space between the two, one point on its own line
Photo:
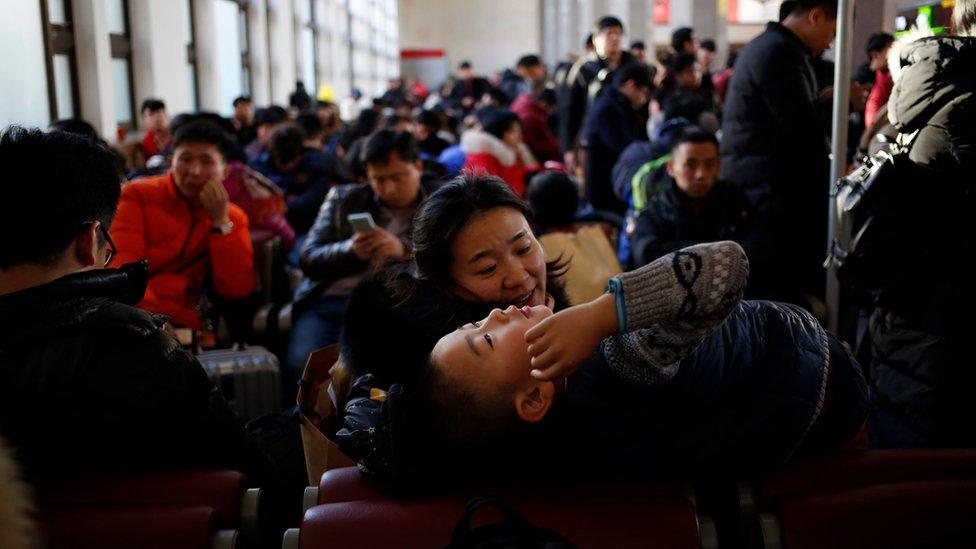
x=149 y=148
x=155 y=223
x=535 y=128
x=486 y=154
x=880 y=91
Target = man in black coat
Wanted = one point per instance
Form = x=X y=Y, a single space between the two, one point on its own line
x=337 y=255
x=774 y=146
x=89 y=383
x=587 y=78
x=922 y=369
x=614 y=122
x=691 y=205
x=468 y=88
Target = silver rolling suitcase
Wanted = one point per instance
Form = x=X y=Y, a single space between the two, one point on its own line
x=249 y=378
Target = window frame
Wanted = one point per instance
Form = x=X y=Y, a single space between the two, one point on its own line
x=120 y=46
x=191 y=54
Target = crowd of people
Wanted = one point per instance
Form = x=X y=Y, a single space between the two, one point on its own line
x=423 y=214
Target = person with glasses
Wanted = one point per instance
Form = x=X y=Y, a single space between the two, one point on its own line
x=88 y=382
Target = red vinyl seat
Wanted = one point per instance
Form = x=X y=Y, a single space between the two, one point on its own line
x=222 y=490
x=586 y=521
x=911 y=514
x=109 y=527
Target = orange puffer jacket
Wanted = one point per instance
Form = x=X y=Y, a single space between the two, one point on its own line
x=155 y=223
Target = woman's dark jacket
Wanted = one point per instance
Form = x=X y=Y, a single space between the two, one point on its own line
x=669 y=223
x=922 y=369
x=89 y=384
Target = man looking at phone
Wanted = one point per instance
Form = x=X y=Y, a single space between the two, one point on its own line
x=359 y=227
x=185 y=225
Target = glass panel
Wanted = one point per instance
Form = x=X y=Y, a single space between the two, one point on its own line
x=229 y=73
x=57 y=14
x=308 y=60
x=63 y=86
x=123 y=95
x=191 y=77
x=115 y=12
x=24 y=83
x=242 y=30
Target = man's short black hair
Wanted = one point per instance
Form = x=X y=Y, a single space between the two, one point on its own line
x=528 y=61
x=879 y=42
x=708 y=44
x=152 y=105
x=801 y=7
x=680 y=61
x=554 y=199
x=310 y=124
x=638 y=45
x=286 y=144
x=464 y=65
x=381 y=145
x=275 y=114
x=608 y=22
x=53 y=183
x=203 y=131
x=242 y=99
x=638 y=72
x=680 y=37
x=428 y=119
x=588 y=43
x=546 y=95
x=694 y=134
x=76 y=126
x=785 y=9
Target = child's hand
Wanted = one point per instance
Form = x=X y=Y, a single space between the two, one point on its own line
x=559 y=344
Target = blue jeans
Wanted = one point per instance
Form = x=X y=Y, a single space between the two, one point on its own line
x=316 y=327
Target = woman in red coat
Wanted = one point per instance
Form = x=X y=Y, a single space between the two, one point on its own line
x=497 y=149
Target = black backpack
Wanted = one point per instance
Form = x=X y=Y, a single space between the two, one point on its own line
x=873 y=203
x=514 y=532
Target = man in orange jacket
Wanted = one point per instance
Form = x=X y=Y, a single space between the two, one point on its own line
x=184 y=224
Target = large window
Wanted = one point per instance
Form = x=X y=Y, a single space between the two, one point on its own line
x=117 y=12
x=62 y=72
x=233 y=57
x=307 y=34
x=24 y=88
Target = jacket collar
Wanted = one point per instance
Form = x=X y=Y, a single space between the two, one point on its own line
x=788 y=34
x=477 y=141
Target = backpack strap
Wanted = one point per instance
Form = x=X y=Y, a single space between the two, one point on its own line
x=905 y=140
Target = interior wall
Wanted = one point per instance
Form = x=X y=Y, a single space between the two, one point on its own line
x=492 y=35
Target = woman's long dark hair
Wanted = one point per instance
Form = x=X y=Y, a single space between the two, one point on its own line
x=446 y=212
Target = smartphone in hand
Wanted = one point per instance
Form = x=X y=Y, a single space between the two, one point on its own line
x=361 y=221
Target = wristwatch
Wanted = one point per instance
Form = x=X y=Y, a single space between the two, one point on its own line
x=224 y=229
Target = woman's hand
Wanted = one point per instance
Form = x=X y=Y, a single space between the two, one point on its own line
x=561 y=343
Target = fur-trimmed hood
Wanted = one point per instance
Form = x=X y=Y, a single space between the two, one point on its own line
x=478 y=141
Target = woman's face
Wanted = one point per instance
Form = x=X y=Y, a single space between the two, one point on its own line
x=496 y=258
x=513 y=135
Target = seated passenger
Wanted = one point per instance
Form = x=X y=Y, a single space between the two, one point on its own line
x=304 y=174
x=185 y=225
x=691 y=205
x=427 y=126
x=534 y=110
x=158 y=139
x=266 y=121
x=336 y=255
x=667 y=373
x=90 y=383
x=497 y=149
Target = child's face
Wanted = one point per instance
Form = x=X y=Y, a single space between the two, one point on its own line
x=490 y=355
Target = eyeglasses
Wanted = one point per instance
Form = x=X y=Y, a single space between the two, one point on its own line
x=112 y=250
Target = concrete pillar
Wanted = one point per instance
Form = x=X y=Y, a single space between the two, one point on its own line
x=871 y=16
x=159 y=62
x=257 y=43
x=208 y=74
x=640 y=23
x=282 y=31
x=94 y=60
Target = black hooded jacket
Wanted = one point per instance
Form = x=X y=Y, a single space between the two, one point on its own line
x=89 y=384
x=922 y=371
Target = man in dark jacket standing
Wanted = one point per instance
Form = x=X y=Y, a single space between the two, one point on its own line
x=611 y=124
x=922 y=369
x=774 y=146
x=89 y=383
x=691 y=205
x=586 y=79
x=336 y=256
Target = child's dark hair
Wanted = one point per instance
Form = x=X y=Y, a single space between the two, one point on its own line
x=554 y=199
